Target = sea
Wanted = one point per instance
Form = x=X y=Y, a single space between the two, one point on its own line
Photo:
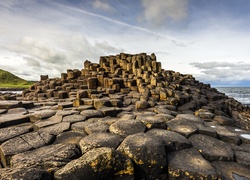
x=241 y=94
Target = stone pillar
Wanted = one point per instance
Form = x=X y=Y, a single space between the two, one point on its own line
x=92 y=83
x=44 y=77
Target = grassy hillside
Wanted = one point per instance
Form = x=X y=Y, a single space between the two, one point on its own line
x=9 y=80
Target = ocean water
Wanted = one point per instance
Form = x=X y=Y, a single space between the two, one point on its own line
x=241 y=94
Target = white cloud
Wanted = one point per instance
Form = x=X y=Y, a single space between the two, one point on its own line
x=226 y=72
x=160 y=11
x=100 y=4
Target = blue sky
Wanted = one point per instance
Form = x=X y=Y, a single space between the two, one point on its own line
x=209 y=39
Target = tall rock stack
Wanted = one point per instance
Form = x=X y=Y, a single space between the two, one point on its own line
x=132 y=74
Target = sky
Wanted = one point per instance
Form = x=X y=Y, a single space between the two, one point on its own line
x=209 y=39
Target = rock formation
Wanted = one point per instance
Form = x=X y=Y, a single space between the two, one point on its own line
x=123 y=118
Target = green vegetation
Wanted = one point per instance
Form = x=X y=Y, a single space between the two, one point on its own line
x=9 y=80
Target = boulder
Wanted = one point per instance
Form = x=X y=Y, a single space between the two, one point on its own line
x=189 y=164
x=212 y=149
x=98 y=163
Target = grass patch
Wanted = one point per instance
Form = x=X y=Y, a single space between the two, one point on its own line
x=9 y=80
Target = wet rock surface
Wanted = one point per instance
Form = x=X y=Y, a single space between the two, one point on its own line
x=123 y=118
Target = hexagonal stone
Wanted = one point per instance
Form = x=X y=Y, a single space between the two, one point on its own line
x=224 y=121
x=206 y=130
x=69 y=137
x=228 y=136
x=99 y=163
x=141 y=105
x=24 y=173
x=48 y=158
x=43 y=114
x=243 y=158
x=19 y=110
x=148 y=153
x=189 y=164
x=212 y=149
x=56 y=128
x=190 y=118
x=23 y=143
x=231 y=170
x=172 y=140
x=127 y=127
x=74 y=118
x=92 y=113
x=47 y=122
x=10 y=104
x=14 y=131
x=185 y=130
x=96 y=127
x=99 y=140
x=13 y=119
x=153 y=122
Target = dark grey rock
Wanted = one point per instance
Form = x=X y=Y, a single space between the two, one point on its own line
x=13 y=119
x=148 y=153
x=228 y=136
x=127 y=127
x=97 y=140
x=14 y=131
x=10 y=104
x=23 y=143
x=56 y=128
x=99 y=163
x=74 y=118
x=224 y=121
x=92 y=113
x=43 y=114
x=69 y=137
x=172 y=140
x=185 y=130
x=206 y=130
x=212 y=149
x=189 y=164
x=243 y=158
x=96 y=127
x=24 y=173
x=153 y=122
x=47 y=122
x=63 y=105
x=231 y=170
x=49 y=158
x=19 y=110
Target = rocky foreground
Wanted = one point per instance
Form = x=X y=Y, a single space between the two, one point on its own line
x=124 y=118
